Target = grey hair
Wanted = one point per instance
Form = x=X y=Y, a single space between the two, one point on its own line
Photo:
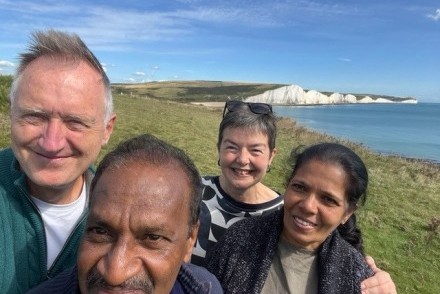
x=244 y=118
x=69 y=46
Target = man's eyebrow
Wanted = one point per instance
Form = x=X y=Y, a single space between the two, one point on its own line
x=97 y=221
x=79 y=118
x=153 y=228
x=166 y=233
x=31 y=110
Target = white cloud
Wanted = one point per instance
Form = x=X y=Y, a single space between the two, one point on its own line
x=435 y=16
x=139 y=73
x=114 y=28
x=40 y=7
x=5 y=63
x=344 y=59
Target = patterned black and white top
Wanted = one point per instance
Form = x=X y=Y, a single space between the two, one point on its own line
x=219 y=211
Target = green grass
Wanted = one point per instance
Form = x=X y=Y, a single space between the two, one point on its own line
x=5 y=85
x=404 y=195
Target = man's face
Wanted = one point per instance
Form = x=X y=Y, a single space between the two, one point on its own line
x=137 y=231
x=57 y=122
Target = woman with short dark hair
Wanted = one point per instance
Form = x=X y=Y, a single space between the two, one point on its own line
x=246 y=148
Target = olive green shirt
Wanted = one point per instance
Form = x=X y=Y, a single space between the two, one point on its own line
x=293 y=270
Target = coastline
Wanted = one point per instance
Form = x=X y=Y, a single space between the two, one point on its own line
x=431 y=162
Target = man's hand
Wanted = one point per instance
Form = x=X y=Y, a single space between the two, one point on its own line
x=380 y=283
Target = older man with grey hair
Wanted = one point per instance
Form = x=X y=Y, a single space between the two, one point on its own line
x=61 y=113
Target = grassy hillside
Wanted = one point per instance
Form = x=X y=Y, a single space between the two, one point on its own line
x=5 y=85
x=191 y=91
x=400 y=221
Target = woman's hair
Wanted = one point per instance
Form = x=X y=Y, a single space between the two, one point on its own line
x=357 y=180
x=242 y=117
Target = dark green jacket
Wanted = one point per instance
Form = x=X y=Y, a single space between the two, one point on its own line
x=22 y=235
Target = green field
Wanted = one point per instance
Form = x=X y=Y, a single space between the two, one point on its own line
x=400 y=221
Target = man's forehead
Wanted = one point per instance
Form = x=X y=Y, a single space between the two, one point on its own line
x=141 y=185
x=138 y=200
x=141 y=199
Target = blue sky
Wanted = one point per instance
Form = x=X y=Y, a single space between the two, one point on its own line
x=380 y=47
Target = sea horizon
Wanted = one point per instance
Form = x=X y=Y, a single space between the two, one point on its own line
x=396 y=129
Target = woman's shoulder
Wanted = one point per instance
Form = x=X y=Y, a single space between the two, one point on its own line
x=272 y=194
x=255 y=225
x=338 y=252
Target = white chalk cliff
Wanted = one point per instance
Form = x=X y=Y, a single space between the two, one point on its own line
x=294 y=95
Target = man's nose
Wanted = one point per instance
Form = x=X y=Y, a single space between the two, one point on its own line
x=120 y=263
x=53 y=136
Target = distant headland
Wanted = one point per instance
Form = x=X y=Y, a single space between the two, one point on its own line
x=220 y=91
x=295 y=95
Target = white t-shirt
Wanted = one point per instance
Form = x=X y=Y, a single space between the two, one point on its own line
x=59 y=221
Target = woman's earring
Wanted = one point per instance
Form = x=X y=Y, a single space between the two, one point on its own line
x=268 y=168
x=218 y=162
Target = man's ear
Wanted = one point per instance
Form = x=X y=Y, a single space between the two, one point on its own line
x=108 y=129
x=191 y=241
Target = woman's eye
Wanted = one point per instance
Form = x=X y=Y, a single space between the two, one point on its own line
x=298 y=187
x=329 y=200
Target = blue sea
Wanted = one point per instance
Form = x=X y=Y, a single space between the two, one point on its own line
x=410 y=130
